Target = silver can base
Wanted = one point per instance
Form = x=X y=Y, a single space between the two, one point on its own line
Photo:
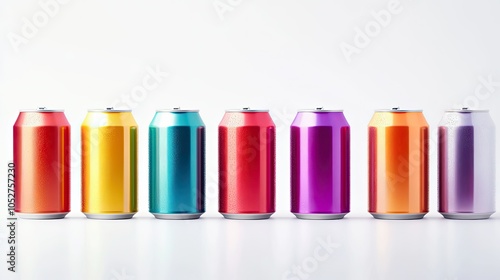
x=467 y=216
x=183 y=216
x=120 y=216
x=259 y=216
x=320 y=216
x=415 y=216
x=41 y=216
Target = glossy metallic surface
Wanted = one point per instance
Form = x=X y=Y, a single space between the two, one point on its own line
x=392 y=216
x=247 y=216
x=178 y=216
x=247 y=156
x=466 y=165
x=398 y=163
x=42 y=162
x=109 y=164
x=320 y=165
x=177 y=165
x=48 y=216
x=320 y=216
x=112 y=216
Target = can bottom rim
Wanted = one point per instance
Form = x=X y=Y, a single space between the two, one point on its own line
x=180 y=216
x=466 y=216
x=396 y=216
x=257 y=216
x=41 y=216
x=117 y=216
x=320 y=216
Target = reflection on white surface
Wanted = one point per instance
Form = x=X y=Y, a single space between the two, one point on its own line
x=279 y=248
x=43 y=249
x=110 y=249
x=471 y=249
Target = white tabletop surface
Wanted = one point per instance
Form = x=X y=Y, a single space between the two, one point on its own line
x=357 y=247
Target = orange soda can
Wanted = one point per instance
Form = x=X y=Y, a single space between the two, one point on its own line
x=42 y=164
x=398 y=164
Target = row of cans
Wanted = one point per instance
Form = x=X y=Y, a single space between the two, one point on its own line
x=398 y=164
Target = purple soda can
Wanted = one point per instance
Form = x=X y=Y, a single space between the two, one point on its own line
x=320 y=164
x=466 y=164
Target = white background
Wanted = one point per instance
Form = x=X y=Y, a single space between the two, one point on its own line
x=279 y=55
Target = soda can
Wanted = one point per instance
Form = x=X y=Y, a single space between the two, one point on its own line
x=177 y=164
x=398 y=163
x=466 y=164
x=247 y=155
x=42 y=164
x=109 y=164
x=320 y=164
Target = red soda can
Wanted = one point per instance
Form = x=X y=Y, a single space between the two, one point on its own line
x=247 y=164
x=42 y=164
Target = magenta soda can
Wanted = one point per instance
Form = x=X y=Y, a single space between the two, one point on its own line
x=466 y=164
x=320 y=164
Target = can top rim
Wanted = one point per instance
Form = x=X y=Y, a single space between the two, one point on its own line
x=109 y=110
x=178 y=110
x=398 y=110
x=247 y=110
x=320 y=110
x=41 y=110
x=467 y=110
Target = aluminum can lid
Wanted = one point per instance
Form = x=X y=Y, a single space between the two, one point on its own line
x=398 y=110
x=466 y=110
x=42 y=110
x=110 y=110
x=320 y=110
x=246 y=110
x=178 y=110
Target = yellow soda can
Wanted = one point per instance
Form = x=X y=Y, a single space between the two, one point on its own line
x=109 y=164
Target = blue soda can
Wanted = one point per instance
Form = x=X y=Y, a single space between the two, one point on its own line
x=177 y=164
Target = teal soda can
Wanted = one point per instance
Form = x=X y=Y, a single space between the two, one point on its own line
x=177 y=164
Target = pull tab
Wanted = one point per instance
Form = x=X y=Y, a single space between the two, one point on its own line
x=176 y=108
x=109 y=108
x=246 y=108
x=41 y=108
x=319 y=108
x=465 y=108
x=395 y=108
